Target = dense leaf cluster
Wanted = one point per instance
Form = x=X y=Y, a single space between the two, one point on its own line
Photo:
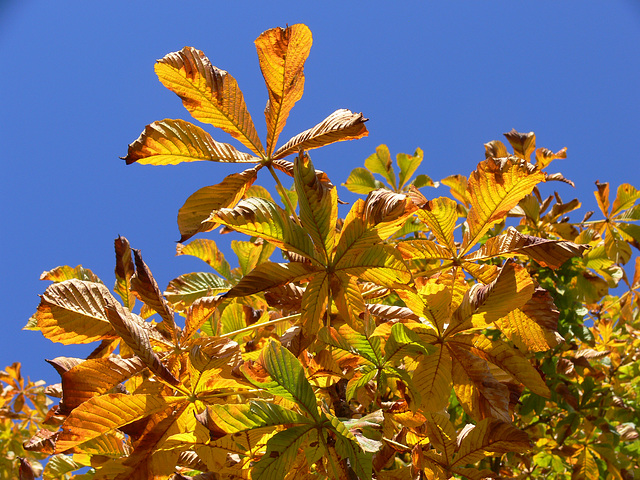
x=469 y=337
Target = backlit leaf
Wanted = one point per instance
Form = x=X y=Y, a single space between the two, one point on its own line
x=132 y=330
x=193 y=216
x=318 y=206
x=105 y=413
x=169 y=142
x=524 y=144
x=489 y=436
x=341 y=125
x=440 y=215
x=262 y=218
x=408 y=165
x=380 y=163
x=211 y=95
x=361 y=181
x=280 y=373
x=187 y=288
x=125 y=269
x=432 y=378
x=282 y=449
x=73 y=312
x=207 y=251
x=94 y=377
x=495 y=187
x=282 y=53
x=60 y=274
x=268 y=275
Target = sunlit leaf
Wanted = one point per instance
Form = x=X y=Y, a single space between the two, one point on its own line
x=207 y=251
x=125 y=269
x=105 y=413
x=187 y=288
x=263 y=218
x=280 y=373
x=495 y=187
x=489 y=436
x=318 y=206
x=268 y=275
x=211 y=95
x=380 y=163
x=169 y=142
x=73 y=312
x=282 y=53
x=341 y=125
x=194 y=214
x=60 y=274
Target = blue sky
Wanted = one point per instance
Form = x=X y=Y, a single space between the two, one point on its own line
x=77 y=86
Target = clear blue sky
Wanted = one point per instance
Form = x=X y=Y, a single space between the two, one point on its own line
x=77 y=86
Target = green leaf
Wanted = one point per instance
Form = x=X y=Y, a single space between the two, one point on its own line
x=361 y=181
x=251 y=254
x=282 y=450
x=187 y=288
x=404 y=341
x=347 y=447
x=408 y=165
x=380 y=163
x=281 y=374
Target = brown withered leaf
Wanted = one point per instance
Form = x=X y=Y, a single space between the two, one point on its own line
x=95 y=377
x=286 y=297
x=146 y=289
x=548 y=253
x=124 y=270
x=43 y=441
x=524 y=144
x=136 y=336
x=341 y=125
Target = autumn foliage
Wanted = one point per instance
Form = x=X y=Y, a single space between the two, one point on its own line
x=421 y=336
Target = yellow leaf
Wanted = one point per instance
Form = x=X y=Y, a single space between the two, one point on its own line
x=103 y=414
x=282 y=53
x=193 y=216
x=211 y=95
x=533 y=326
x=340 y=125
x=207 y=251
x=318 y=206
x=440 y=215
x=94 y=377
x=432 y=378
x=479 y=393
x=314 y=304
x=169 y=142
x=495 y=187
x=73 y=312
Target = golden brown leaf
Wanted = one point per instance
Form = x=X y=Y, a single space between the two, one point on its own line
x=211 y=95
x=282 y=53
x=341 y=125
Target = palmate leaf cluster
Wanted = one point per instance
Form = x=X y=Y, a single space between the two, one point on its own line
x=421 y=336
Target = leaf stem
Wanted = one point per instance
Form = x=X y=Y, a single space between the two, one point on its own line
x=283 y=195
x=259 y=325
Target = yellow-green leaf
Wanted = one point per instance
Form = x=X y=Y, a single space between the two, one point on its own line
x=207 y=251
x=318 y=206
x=380 y=163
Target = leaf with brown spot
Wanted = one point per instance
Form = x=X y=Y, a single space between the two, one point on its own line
x=282 y=53
x=211 y=95
x=169 y=142
x=73 y=312
x=341 y=125
x=193 y=216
